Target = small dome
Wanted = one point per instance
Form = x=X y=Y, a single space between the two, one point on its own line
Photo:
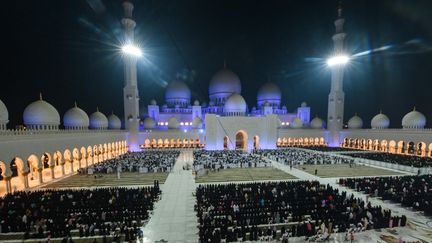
x=224 y=82
x=284 y=107
x=297 y=123
x=75 y=117
x=317 y=123
x=414 y=119
x=149 y=123
x=98 y=120
x=42 y=113
x=4 y=114
x=303 y=104
x=197 y=122
x=114 y=122
x=355 y=122
x=196 y=103
x=270 y=93
x=380 y=121
x=153 y=102
x=173 y=123
x=266 y=103
x=177 y=92
x=235 y=105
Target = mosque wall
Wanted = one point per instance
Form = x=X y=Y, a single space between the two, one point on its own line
x=407 y=135
x=27 y=144
x=228 y=131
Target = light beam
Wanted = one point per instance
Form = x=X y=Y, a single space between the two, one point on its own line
x=131 y=50
x=337 y=60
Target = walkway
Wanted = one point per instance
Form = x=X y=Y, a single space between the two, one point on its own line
x=174 y=218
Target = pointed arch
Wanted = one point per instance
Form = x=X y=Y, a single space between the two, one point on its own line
x=241 y=140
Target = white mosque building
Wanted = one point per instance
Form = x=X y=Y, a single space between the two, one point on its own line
x=52 y=147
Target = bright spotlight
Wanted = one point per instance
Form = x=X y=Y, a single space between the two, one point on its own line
x=337 y=60
x=132 y=50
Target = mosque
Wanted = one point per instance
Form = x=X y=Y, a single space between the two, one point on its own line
x=50 y=148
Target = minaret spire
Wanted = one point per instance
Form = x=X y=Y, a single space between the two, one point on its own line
x=130 y=90
x=335 y=115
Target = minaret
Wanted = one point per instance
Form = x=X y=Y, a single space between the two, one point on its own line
x=336 y=100
x=130 y=90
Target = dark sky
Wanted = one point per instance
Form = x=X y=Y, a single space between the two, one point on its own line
x=67 y=50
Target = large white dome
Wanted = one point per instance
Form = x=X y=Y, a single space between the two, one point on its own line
x=4 y=114
x=177 y=93
x=270 y=93
x=380 y=121
x=297 y=123
x=235 y=105
x=355 y=122
x=317 y=123
x=41 y=113
x=173 y=123
x=414 y=119
x=224 y=82
x=114 y=122
x=76 y=118
x=98 y=120
x=149 y=123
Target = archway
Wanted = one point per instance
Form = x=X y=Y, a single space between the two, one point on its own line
x=256 y=142
x=279 y=142
x=68 y=161
x=421 y=149
x=384 y=145
x=18 y=176
x=430 y=150
x=47 y=172
x=322 y=142
x=90 y=155
x=160 y=143
x=58 y=164
x=411 y=147
x=2 y=174
x=401 y=147
x=392 y=146
x=226 y=143
x=241 y=140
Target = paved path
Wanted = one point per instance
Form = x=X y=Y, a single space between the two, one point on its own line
x=174 y=218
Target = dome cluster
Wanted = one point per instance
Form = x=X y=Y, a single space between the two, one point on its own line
x=41 y=115
x=412 y=120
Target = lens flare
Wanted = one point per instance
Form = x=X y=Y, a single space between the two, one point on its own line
x=132 y=50
x=337 y=60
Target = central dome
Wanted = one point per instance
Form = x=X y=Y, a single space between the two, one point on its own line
x=41 y=115
x=223 y=84
x=235 y=106
x=270 y=93
x=177 y=93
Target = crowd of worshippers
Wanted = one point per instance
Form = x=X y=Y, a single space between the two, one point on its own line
x=325 y=148
x=401 y=159
x=55 y=213
x=226 y=159
x=294 y=156
x=146 y=161
x=410 y=191
x=270 y=210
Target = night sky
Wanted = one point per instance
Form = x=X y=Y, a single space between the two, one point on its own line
x=68 y=50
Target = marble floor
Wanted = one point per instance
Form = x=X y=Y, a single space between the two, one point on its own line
x=174 y=218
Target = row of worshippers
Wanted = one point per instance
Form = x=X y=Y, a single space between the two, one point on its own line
x=54 y=213
x=143 y=162
x=325 y=148
x=226 y=159
x=236 y=211
x=295 y=156
x=401 y=159
x=410 y=191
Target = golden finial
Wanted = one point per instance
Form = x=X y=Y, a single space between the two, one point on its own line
x=76 y=104
x=97 y=108
x=40 y=95
x=414 y=108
